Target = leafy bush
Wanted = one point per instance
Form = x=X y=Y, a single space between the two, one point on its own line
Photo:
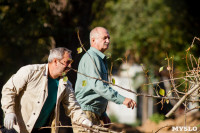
x=113 y=118
x=157 y=118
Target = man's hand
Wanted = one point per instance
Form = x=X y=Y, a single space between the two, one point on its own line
x=87 y=123
x=129 y=103
x=9 y=120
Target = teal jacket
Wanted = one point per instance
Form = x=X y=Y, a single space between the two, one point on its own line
x=93 y=94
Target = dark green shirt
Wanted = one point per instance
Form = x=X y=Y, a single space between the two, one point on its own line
x=49 y=103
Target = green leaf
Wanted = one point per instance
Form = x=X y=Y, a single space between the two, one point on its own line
x=79 y=50
x=162 y=92
x=161 y=69
x=119 y=59
x=84 y=83
x=65 y=79
x=64 y=73
x=113 y=81
x=108 y=55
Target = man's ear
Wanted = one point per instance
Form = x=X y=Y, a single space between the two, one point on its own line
x=54 y=61
x=93 y=42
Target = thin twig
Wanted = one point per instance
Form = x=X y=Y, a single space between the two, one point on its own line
x=198 y=107
x=163 y=127
x=88 y=54
x=94 y=128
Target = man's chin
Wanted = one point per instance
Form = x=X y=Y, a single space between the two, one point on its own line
x=106 y=46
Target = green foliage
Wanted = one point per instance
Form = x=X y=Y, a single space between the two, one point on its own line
x=29 y=28
x=150 y=29
x=157 y=118
x=136 y=124
x=64 y=73
x=161 y=69
x=119 y=59
x=84 y=83
x=113 y=81
x=65 y=79
x=162 y=92
x=79 y=50
x=113 y=118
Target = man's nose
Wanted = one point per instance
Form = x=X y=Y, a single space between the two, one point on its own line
x=108 y=40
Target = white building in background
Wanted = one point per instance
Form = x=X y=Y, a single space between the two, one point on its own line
x=125 y=80
x=123 y=114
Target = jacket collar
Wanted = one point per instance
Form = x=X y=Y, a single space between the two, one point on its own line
x=99 y=53
x=46 y=70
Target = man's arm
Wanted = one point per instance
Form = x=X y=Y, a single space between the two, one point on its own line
x=100 y=87
x=73 y=109
x=13 y=86
x=103 y=88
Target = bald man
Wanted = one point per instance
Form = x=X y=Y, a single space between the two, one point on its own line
x=93 y=97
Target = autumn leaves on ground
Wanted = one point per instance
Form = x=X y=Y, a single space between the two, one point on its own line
x=192 y=120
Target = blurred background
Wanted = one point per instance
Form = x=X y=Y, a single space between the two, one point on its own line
x=142 y=32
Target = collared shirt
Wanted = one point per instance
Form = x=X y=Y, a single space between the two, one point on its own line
x=93 y=94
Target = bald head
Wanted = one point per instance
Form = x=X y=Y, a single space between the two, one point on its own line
x=94 y=33
x=99 y=38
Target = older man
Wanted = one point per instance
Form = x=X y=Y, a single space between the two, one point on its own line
x=31 y=98
x=93 y=94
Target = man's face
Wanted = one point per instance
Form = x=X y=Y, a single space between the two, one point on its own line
x=64 y=64
x=102 y=41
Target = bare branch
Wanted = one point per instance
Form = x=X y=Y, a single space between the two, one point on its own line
x=163 y=127
x=198 y=107
x=94 y=128
x=182 y=100
x=88 y=54
x=137 y=94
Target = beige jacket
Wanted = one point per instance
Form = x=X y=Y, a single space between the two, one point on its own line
x=26 y=91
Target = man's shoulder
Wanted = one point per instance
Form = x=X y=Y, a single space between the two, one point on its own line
x=34 y=67
x=89 y=55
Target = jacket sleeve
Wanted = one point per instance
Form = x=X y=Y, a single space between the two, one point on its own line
x=12 y=88
x=72 y=107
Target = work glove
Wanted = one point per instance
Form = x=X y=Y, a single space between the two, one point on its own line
x=87 y=123
x=9 y=120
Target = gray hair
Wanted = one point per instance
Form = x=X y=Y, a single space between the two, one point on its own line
x=95 y=33
x=57 y=53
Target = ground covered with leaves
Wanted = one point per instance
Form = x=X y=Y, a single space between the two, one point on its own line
x=192 y=120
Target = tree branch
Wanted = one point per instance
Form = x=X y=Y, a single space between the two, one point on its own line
x=182 y=100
